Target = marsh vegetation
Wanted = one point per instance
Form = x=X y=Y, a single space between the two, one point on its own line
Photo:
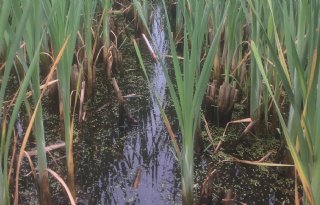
x=163 y=102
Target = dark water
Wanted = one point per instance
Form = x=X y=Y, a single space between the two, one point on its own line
x=130 y=164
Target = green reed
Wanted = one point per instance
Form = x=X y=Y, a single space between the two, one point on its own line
x=32 y=39
x=28 y=21
x=11 y=45
x=107 y=4
x=297 y=64
x=89 y=8
x=62 y=28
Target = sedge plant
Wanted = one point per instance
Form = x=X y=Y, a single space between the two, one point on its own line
x=296 y=61
x=11 y=41
x=258 y=20
x=32 y=38
x=61 y=29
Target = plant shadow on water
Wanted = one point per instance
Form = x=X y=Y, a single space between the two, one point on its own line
x=129 y=164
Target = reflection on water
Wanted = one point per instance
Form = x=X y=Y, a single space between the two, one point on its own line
x=146 y=171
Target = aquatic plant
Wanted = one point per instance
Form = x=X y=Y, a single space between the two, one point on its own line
x=10 y=43
x=33 y=41
x=284 y=39
x=107 y=53
x=60 y=29
x=89 y=8
x=296 y=62
x=22 y=37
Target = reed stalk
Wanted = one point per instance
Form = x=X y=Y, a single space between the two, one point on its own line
x=89 y=8
x=107 y=4
x=108 y=58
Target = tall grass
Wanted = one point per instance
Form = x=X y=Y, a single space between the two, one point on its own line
x=24 y=24
x=32 y=39
x=190 y=77
x=60 y=29
x=255 y=79
x=12 y=45
x=297 y=64
x=233 y=25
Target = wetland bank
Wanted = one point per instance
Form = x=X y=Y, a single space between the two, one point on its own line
x=159 y=102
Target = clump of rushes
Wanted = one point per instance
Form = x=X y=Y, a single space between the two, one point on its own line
x=258 y=95
x=60 y=29
x=28 y=21
x=297 y=63
x=226 y=61
x=190 y=77
x=10 y=41
x=32 y=39
x=25 y=28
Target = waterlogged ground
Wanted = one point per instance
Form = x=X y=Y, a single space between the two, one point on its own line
x=245 y=183
x=129 y=164
x=119 y=163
